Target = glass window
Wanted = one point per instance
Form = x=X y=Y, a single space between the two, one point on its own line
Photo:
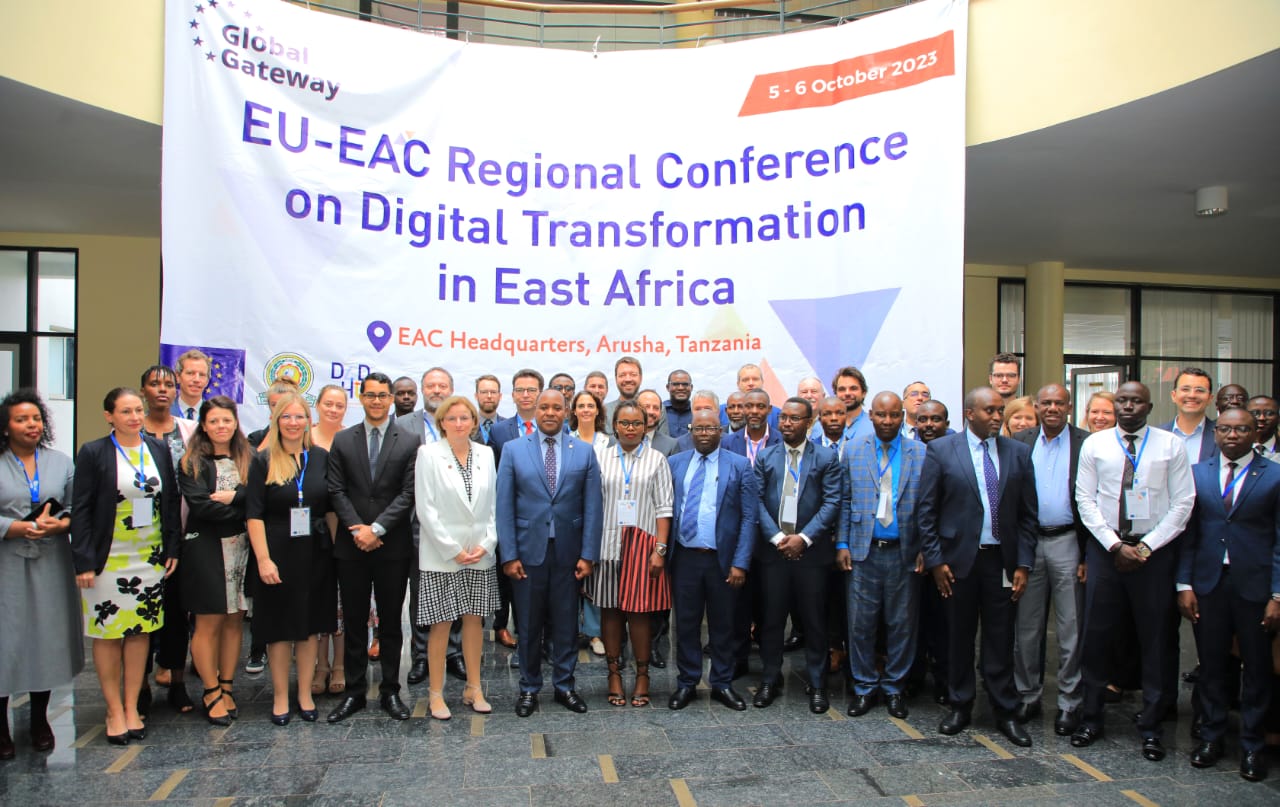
x=1096 y=321
x=56 y=292
x=1212 y=326
x=13 y=290
x=1012 y=317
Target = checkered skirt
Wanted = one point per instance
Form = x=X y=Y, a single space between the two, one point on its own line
x=445 y=596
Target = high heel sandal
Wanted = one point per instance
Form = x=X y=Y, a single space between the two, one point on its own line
x=337 y=680
x=220 y=720
x=440 y=712
x=476 y=701
x=615 y=696
x=638 y=698
x=226 y=684
x=320 y=683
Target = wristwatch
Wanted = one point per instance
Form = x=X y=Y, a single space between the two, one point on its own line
x=661 y=549
x=1143 y=550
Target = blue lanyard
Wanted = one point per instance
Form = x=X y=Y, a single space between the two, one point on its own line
x=1235 y=480
x=889 y=464
x=626 y=471
x=139 y=473
x=302 y=475
x=426 y=420
x=1134 y=461
x=32 y=484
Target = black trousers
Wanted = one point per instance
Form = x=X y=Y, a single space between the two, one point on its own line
x=1224 y=614
x=982 y=597
x=933 y=632
x=787 y=587
x=387 y=579
x=698 y=587
x=170 y=642
x=1149 y=593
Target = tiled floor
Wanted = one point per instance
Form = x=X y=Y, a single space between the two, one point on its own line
x=705 y=755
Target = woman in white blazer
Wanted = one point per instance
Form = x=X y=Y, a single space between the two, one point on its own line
x=454 y=486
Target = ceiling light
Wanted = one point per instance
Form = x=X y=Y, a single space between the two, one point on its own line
x=1211 y=201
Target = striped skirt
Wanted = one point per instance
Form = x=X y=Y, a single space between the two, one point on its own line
x=625 y=584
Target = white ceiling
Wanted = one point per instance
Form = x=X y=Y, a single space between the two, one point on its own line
x=1110 y=190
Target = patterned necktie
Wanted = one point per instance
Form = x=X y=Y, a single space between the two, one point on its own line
x=1228 y=497
x=1126 y=483
x=992 y=480
x=549 y=462
x=789 y=487
x=484 y=430
x=375 y=445
x=191 y=413
x=886 y=489
x=693 y=502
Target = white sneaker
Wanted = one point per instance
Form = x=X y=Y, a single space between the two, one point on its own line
x=597 y=646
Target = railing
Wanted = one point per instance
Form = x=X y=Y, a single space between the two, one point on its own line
x=605 y=27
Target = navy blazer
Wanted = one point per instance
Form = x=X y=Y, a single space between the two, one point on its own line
x=1076 y=439
x=817 y=509
x=1251 y=533
x=526 y=508
x=361 y=498
x=736 y=442
x=950 y=509
x=862 y=495
x=1208 y=446
x=95 y=493
x=737 y=502
x=773 y=417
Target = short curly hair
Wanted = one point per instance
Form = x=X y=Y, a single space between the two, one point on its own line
x=24 y=396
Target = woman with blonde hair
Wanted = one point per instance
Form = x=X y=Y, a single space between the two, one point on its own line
x=1019 y=415
x=291 y=527
x=1100 y=413
x=331 y=409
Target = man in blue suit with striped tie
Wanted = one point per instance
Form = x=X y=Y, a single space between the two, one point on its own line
x=715 y=517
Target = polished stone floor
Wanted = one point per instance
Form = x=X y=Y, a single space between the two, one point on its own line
x=705 y=755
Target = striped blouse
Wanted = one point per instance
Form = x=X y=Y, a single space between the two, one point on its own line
x=650 y=488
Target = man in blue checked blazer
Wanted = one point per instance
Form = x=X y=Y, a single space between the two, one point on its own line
x=880 y=547
x=549 y=519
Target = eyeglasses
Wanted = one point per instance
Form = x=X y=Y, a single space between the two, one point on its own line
x=562 y=387
x=1004 y=376
x=916 y=393
x=1196 y=390
x=792 y=418
x=1224 y=429
x=630 y=424
x=525 y=390
x=704 y=429
x=376 y=396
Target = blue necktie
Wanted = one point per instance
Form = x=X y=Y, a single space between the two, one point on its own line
x=549 y=462
x=992 y=479
x=693 y=502
x=375 y=445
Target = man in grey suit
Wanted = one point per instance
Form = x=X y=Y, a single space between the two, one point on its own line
x=437 y=384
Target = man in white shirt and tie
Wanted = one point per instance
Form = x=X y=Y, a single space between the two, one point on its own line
x=1263 y=409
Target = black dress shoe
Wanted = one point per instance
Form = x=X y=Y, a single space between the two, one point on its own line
x=897 y=706
x=794 y=642
x=455 y=666
x=118 y=739
x=819 y=703
x=1066 y=722
x=1015 y=731
x=418 y=672
x=41 y=738
x=681 y=698
x=1191 y=676
x=393 y=706
x=571 y=700
x=346 y=708
x=1026 y=711
x=765 y=695
x=1085 y=736
x=729 y=698
x=308 y=715
x=657 y=658
x=1252 y=767
x=861 y=704
x=526 y=704
x=1206 y=755
x=281 y=720
x=955 y=722
x=1153 y=749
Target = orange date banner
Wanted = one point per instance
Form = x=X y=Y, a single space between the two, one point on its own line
x=829 y=84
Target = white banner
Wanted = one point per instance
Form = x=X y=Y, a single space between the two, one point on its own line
x=340 y=197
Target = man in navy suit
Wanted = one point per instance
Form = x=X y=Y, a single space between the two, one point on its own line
x=716 y=500
x=488 y=394
x=800 y=496
x=879 y=544
x=978 y=523
x=526 y=386
x=549 y=520
x=1229 y=585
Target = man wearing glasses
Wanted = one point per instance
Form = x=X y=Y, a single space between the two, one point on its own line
x=627 y=376
x=916 y=393
x=1191 y=394
x=1004 y=375
x=526 y=386
x=1263 y=409
x=565 y=385
x=371 y=486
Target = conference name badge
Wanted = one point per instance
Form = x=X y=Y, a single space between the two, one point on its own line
x=626 y=513
x=299 y=522
x=789 y=508
x=1138 y=503
x=143 y=513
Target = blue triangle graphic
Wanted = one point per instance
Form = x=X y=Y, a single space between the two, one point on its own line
x=833 y=332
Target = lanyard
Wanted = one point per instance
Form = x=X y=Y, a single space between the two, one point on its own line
x=1235 y=480
x=888 y=462
x=426 y=420
x=753 y=447
x=795 y=472
x=302 y=475
x=1134 y=461
x=32 y=484
x=139 y=473
x=626 y=471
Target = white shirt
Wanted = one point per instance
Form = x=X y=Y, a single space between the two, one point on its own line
x=1163 y=471
x=1268 y=449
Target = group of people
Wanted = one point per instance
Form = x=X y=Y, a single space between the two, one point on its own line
x=885 y=537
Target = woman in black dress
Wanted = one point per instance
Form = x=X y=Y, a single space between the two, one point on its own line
x=215 y=550
x=291 y=527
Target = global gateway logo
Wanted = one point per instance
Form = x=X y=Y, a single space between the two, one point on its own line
x=250 y=49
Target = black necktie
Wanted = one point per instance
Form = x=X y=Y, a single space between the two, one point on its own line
x=1126 y=483
x=191 y=413
x=375 y=445
x=1228 y=495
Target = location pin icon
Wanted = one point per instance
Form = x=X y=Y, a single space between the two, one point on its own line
x=379 y=334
